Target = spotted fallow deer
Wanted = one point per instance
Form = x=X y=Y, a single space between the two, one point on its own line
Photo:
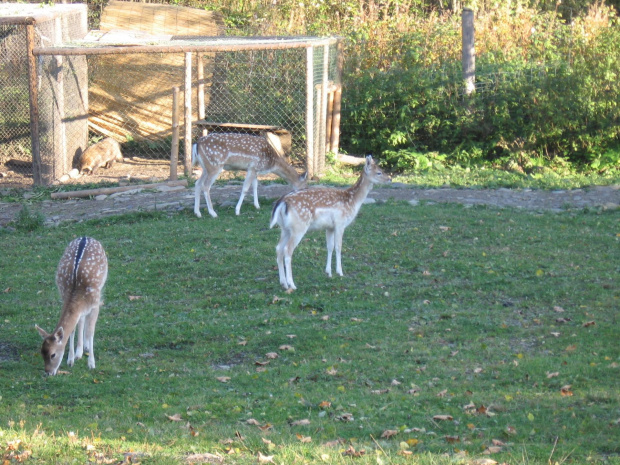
x=80 y=278
x=253 y=154
x=319 y=208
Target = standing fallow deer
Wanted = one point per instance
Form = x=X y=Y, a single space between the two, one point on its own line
x=80 y=278
x=319 y=208
x=253 y=154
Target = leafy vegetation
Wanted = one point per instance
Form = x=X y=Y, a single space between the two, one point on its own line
x=454 y=334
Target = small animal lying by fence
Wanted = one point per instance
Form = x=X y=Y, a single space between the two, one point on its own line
x=253 y=154
x=320 y=208
x=80 y=278
x=103 y=153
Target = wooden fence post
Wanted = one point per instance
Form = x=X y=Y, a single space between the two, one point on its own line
x=34 y=107
x=469 y=51
x=310 y=111
x=188 y=114
x=174 y=153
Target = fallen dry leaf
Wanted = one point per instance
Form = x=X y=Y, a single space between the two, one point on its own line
x=345 y=417
x=175 y=417
x=334 y=443
x=380 y=391
x=562 y=320
x=266 y=427
x=589 y=323
x=497 y=442
x=303 y=422
x=351 y=452
x=558 y=309
x=286 y=347
x=555 y=334
x=442 y=393
x=242 y=343
x=552 y=375
x=271 y=355
x=571 y=348
x=484 y=461
x=388 y=433
x=252 y=421
x=261 y=364
x=135 y=297
x=452 y=439
x=203 y=458
x=565 y=390
x=492 y=450
x=443 y=418
x=265 y=458
x=303 y=438
x=223 y=379
x=325 y=404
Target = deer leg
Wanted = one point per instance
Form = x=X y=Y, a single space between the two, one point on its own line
x=292 y=243
x=210 y=179
x=284 y=236
x=91 y=321
x=329 y=237
x=199 y=186
x=79 y=351
x=250 y=177
x=255 y=187
x=71 y=354
x=338 y=244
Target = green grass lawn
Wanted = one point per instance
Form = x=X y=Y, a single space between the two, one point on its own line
x=456 y=335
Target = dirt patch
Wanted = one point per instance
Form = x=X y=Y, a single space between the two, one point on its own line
x=226 y=196
x=147 y=170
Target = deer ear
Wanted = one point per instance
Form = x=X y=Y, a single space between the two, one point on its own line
x=41 y=331
x=369 y=162
x=304 y=176
x=59 y=334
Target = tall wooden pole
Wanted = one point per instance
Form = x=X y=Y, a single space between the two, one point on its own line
x=310 y=111
x=188 y=114
x=201 y=89
x=323 y=121
x=174 y=152
x=34 y=107
x=335 y=132
x=469 y=52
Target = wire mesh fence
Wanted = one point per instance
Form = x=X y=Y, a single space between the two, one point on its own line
x=15 y=153
x=89 y=89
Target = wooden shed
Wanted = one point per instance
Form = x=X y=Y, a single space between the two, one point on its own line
x=131 y=95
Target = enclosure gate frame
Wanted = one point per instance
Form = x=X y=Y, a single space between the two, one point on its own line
x=315 y=152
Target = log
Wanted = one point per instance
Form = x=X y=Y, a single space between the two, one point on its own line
x=349 y=160
x=114 y=190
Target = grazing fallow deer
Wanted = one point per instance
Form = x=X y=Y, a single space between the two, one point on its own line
x=80 y=278
x=318 y=208
x=253 y=154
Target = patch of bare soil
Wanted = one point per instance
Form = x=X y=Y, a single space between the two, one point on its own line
x=226 y=196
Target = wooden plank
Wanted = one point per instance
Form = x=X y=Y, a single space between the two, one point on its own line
x=254 y=127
